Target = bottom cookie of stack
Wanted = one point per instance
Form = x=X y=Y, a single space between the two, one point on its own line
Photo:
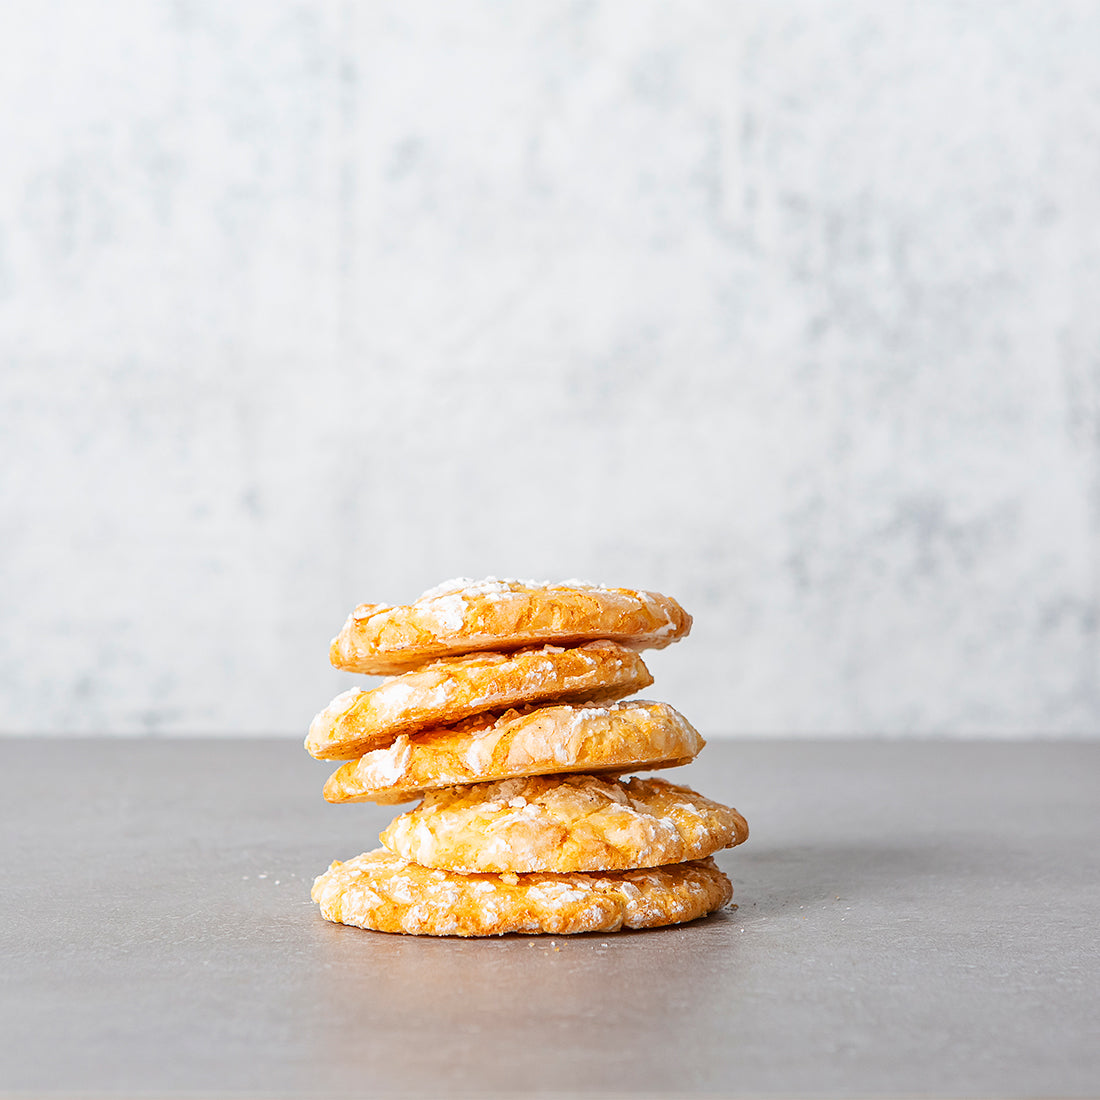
x=558 y=854
x=381 y=891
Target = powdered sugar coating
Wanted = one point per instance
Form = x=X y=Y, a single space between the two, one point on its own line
x=449 y=611
x=454 y=688
x=379 y=891
x=385 y=767
x=463 y=615
x=563 y=824
x=539 y=741
x=467 y=586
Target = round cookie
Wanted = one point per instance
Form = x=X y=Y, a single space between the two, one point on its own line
x=540 y=741
x=563 y=824
x=465 y=616
x=453 y=688
x=379 y=891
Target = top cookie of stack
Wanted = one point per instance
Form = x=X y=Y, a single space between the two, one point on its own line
x=498 y=682
x=465 y=616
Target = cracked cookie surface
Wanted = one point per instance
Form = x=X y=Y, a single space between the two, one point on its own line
x=563 y=824
x=378 y=890
x=464 y=616
x=451 y=689
x=547 y=740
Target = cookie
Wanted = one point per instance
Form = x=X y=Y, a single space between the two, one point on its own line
x=453 y=688
x=465 y=616
x=380 y=891
x=563 y=824
x=541 y=741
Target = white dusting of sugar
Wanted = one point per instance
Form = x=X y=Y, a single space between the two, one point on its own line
x=450 y=610
x=667 y=628
x=384 y=767
x=401 y=889
x=368 y=897
x=344 y=699
x=497 y=586
x=340 y=705
x=556 y=893
x=467 y=586
x=507 y=789
x=393 y=695
x=479 y=753
x=593 y=712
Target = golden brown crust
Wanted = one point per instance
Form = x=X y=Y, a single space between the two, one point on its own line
x=379 y=891
x=543 y=741
x=563 y=824
x=465 y=616
x=453 y=688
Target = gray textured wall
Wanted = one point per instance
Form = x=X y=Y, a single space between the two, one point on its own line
x=791 y=310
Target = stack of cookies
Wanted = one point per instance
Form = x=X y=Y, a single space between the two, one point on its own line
x=501 y=715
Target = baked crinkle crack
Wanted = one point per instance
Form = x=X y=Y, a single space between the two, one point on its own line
x=464 y=616
x=453 y=688
x=378 y=890
x=563 y=824
x=547 y=740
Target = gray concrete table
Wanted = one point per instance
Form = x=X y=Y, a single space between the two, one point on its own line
x=914 y=919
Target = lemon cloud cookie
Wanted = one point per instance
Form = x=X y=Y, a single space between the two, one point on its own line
x=546 y=740
x=464 y=616
x=453 y=688
x=563 y=824
x=380 y=891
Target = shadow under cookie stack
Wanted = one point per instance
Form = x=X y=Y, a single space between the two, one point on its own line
x=502 y=714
